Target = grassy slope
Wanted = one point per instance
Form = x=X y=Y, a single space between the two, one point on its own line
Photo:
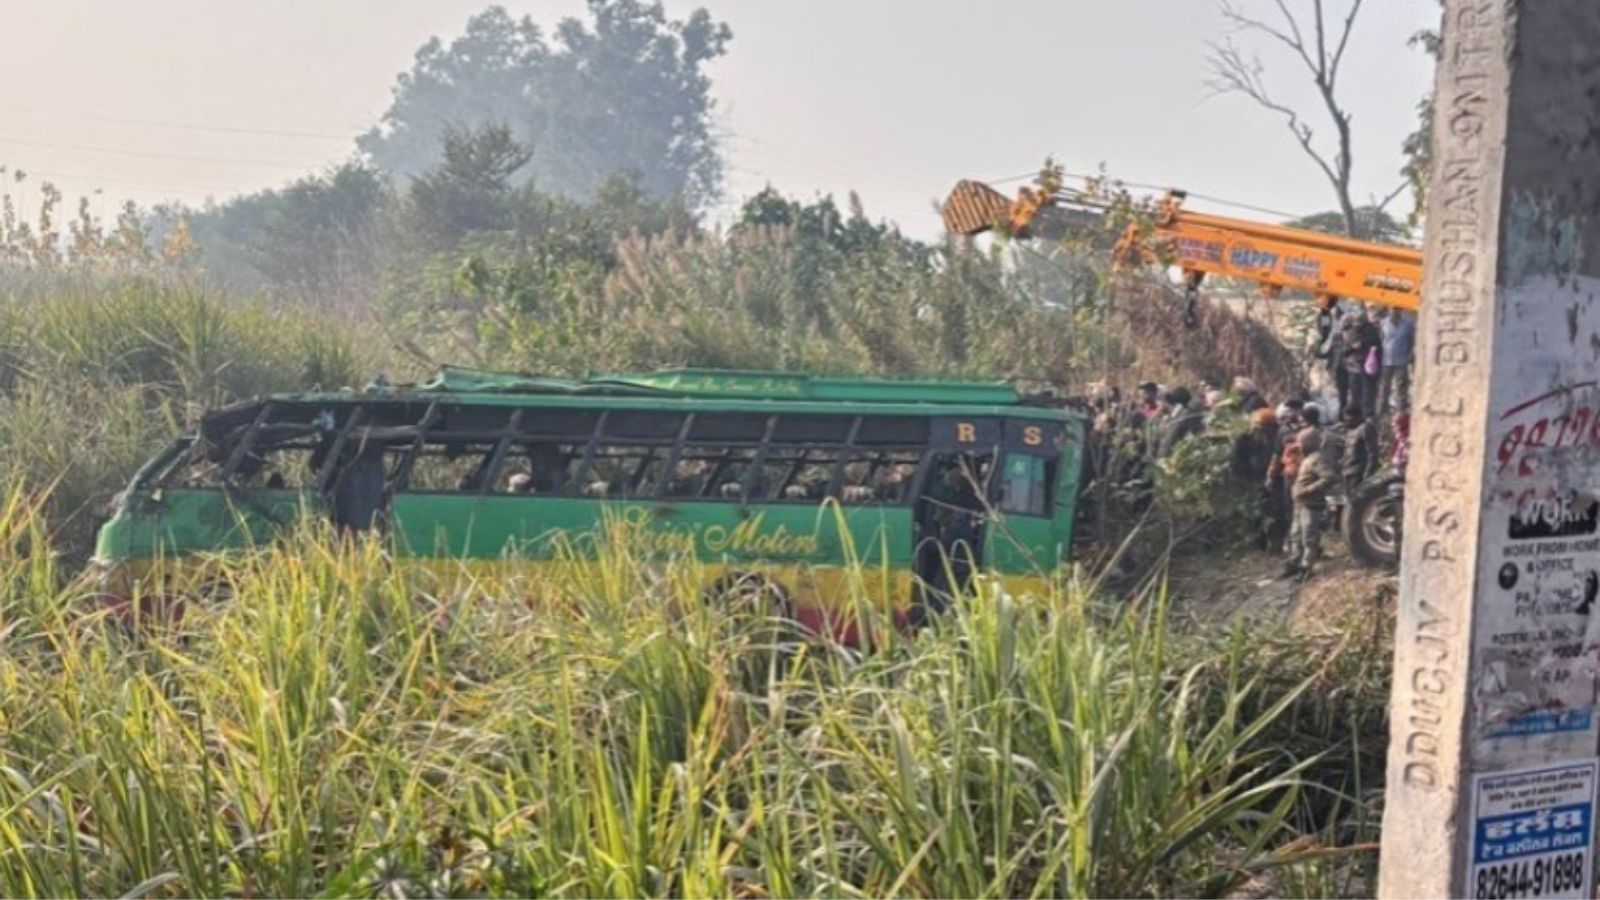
x=339 y=727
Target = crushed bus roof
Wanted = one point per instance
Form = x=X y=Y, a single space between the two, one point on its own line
x=726 y=384
x=706 y=390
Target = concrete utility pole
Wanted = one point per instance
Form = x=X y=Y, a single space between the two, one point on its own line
x=1494 y=725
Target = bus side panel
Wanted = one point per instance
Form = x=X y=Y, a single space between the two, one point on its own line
x=1069 y=481
x=1020 y=545
x=793 y=543
x=176 y=521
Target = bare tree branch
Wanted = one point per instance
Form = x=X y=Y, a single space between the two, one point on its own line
x=1232 y=72
x=1344 y=40
x=1381 y=205
x=1322 y=44
x=1291 y=39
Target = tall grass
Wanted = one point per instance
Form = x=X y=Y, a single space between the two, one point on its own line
x=96 y=373
x=343 y=726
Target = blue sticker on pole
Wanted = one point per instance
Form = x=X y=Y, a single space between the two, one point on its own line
x=1533 y=831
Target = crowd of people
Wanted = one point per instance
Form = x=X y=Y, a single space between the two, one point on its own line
x=1300 y=456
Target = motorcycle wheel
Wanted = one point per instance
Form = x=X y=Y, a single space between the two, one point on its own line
x=1372 y=522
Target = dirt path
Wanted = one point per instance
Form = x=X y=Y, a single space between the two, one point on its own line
x=1246 y=586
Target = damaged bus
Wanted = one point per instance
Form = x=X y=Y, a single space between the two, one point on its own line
x=775 y=479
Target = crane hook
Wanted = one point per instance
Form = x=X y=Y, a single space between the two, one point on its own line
x=1191 y=298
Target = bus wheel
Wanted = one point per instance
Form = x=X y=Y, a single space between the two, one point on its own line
x=749 y=594
x=760 y=612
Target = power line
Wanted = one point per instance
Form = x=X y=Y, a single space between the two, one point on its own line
x=10 y=167
x=181 y=157
x=166 y=188
x=783 y=154
x=184 y=126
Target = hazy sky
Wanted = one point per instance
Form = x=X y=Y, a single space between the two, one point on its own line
x=895 y=98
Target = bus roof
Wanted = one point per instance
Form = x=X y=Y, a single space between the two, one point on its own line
x=731 y=384
x=722 y=389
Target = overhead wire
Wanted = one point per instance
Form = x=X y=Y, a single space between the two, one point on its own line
x=9 y=168
x=142 y=154
x=884 y=180
x=186 y=126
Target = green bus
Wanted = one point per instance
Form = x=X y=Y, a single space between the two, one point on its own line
x=776 y=479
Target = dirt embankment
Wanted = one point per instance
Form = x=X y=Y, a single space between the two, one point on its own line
x=1247 y=587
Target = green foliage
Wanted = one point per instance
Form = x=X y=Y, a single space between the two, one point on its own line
x=314 y=240
x=1197 y=490
x=470 y=190
x=88 y=245
x=1418 y=145
x=761 y=297
x=343 y=727
x=624 y=93
x=96 y=374
x=1372 y=224
x=343 y=239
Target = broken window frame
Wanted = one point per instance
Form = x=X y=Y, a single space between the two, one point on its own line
x=402 y=431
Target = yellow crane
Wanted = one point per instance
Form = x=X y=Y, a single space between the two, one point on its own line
x=1277 y=257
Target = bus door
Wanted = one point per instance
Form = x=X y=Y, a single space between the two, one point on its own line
x=1024 y=537
x=952 y=506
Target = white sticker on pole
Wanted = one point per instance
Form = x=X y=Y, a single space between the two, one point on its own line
x=1532 y=832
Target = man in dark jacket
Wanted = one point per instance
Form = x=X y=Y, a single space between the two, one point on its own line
x=1360 y=451
x=1179 y=423
x=1253 y=454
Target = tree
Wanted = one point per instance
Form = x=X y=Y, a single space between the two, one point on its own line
x=470 y=190
x=624 y=94
x=1418 y=145
x=1318 y=42
x=1372 y=223
x=312 y=239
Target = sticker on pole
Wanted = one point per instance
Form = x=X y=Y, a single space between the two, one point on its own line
x=1532 y=832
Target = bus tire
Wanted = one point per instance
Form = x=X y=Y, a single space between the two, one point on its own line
x=759 y=609
x=750 y=593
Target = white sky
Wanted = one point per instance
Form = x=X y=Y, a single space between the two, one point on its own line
x=895 y=98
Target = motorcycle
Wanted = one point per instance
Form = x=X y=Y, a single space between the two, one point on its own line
x=1375 y=509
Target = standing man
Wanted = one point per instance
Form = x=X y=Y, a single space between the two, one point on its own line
x=1399 y=343
x=1329 y=346
x=1310 y=497
x=1179 y=422
x=1149 y=402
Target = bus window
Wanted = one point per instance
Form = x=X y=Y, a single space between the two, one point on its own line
x=283 y=468
x=454 y=467
x=796 y=473
x=542 y=469
x=725 y=469
x=687 y=478
x=1025 y=484
x=617 y=471
x=883 y=476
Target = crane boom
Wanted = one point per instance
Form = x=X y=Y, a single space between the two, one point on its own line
x=1274 y=256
